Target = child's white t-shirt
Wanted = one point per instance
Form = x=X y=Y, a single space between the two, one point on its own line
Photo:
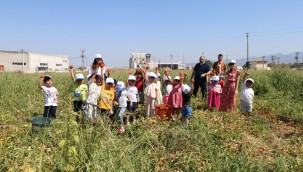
x=247 y=94
x=94 y=92
x=132 y=93
x=123 y=99
x=50 y=94
x=168 y=88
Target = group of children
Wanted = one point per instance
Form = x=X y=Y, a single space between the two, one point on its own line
x=103 y=96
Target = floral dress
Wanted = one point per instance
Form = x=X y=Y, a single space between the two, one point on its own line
x=175 y=97
x=229 y=97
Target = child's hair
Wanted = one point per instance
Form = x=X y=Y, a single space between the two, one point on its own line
x=96 y=62
x=46 y=78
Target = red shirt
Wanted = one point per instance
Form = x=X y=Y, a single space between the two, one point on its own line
x=139 y=84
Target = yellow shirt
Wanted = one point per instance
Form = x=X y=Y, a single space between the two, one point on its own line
x=107 y=97
x=80 y=92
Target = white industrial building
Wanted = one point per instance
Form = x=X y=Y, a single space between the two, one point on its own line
x=11 y=61
x=140 y=60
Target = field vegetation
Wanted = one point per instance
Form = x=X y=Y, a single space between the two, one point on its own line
x=268 y=140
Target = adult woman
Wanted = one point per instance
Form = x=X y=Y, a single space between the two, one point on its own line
x=230 y=92
x=96 y=65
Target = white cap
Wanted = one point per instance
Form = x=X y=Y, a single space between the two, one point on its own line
x=79 y=76
x=132 y=77
x=215 y=78
x=98 y=56
x=185 y=88
x=109 y=81
x=233 y=61
x=120 y=85
x=152 y=74
x=249 y=79
x=177 y=78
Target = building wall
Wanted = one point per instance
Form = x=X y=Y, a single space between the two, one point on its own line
x=258 y=65
x=11 y=61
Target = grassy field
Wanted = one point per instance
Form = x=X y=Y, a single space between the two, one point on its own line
x=269 y=140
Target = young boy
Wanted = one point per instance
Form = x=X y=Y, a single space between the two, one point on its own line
x=107 y=97
x=132 y=92
x=247 y=95
x=80 y=91
x=51 y=96
x=186 y=108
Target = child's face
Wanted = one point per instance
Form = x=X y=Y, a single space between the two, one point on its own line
x=249 y=84
x=99 y=82
x=79 y=81
x=110 y=85
x=176 y=81
x=152 y=79
x=131 y=82
x=214 y=82
x=49 y=83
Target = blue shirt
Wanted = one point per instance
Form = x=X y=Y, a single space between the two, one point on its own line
x=201 y=69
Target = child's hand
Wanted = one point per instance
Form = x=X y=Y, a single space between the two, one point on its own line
x=146 y=67
x=192 y=81
x=41 y=78
x=185 y=75
x=71 y=67
x=180 y=74
x=181 y=78
x=246 y=74
x=156 y=68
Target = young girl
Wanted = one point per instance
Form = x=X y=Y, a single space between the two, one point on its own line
x=94 y=93
x=151 y=93
x=139 y=84
x=121 y=98
x=97 y=65
x=167 y=85
x=214 y=93
x=132 y=92
x=51 y=96
x=175 y=97
x=229 y=96
x=80 y=92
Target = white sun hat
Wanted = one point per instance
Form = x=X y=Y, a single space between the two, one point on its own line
x=233 y=62
x=120 y=85
x=131 y=78
x=98 y=56
x=109 y=81
x=177 y=78
x=79 y=76
x=152 y=75
x=249 y=79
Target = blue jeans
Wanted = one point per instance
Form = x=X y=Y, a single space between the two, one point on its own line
x=186 y=112
x=121 y=111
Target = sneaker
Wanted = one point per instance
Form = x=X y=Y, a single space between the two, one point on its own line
x=121 y=129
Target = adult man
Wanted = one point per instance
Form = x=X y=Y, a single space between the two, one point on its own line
x=219 y=67
x=199 y=75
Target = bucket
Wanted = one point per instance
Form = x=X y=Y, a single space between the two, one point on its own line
x=163 y=111
x=41 y=121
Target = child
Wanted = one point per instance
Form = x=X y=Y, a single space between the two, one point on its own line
x=139 y=85
x=151 y=93
x=186 y=108
x=107 y=97
x=80 y=92
x=121 y=98
x=247 y=95
x=214 y=93
x=94 y=92
x=98 y=65
x=175 y=97
x=167 y=88
x=132 y=93
x=51 y=96
x=221 y=82
x=160 y=97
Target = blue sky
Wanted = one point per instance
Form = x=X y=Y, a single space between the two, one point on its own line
x=116 y=28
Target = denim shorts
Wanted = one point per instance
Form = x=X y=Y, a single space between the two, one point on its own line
x=132 y=108
x=186 y=112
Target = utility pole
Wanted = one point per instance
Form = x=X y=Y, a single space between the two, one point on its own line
x=226 y=59
x=273 y=60
x=247 y=51
x=278 y=60
x=171 y=62
x=263 y=61
x=297 y=58
x=82 y=56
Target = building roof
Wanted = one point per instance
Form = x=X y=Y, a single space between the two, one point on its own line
x=259 y=61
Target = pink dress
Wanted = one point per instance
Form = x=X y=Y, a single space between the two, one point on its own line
x=214 y=96
x=229 y=97
x=175 y=97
